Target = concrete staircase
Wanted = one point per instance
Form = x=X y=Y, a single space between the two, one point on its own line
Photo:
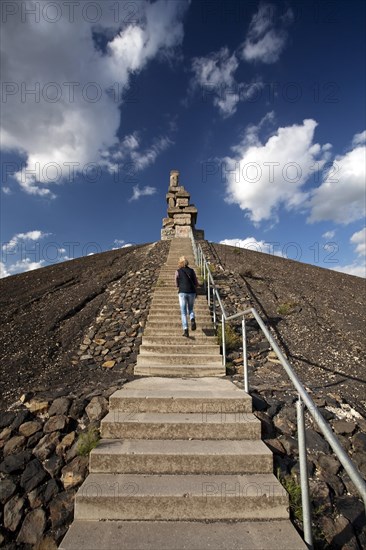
x=181 y=464
x=164 y=351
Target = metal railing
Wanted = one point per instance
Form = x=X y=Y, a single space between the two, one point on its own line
x=304 y=398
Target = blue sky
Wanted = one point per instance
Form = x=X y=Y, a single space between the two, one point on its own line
x=259 y=105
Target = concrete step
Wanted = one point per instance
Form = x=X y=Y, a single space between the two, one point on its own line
x=203 y=395
x=173 y=308
x=181 y=497
x=197 y=349
x=201 y=339
x=175 y=323
x=180 y=457
x=203 y=425
x=203 y=316
x=179 y=371
x=175 y=336
x=188 y=535
x=171 y=359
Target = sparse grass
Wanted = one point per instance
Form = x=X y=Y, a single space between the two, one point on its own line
x=212 y=268
x=232 y=339
x=294 y=490
x=236 y=250
x=286 y=308
x=88 y=441
x=160 y=283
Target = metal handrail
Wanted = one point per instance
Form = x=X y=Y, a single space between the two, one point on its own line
x=303 y=397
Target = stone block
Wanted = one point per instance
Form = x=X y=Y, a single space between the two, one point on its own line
x=182 y=219
x=183 y=231
x=182 y=202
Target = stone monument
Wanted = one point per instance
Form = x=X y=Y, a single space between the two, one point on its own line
x=182 y=216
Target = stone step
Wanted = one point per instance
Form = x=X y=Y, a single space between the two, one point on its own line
x=196 y=337
x=181 y=457
x=203 y=425
x=181 y=497
x=176 y=535
x=202 y=340
x=203 y=316
x=213 y=359
x=200 y=301
x=204 y=395
x=197 y=349
x=179 y=371
x=175 y=323
x=174 y=307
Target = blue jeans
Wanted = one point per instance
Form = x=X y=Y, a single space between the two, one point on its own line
x=186 y=301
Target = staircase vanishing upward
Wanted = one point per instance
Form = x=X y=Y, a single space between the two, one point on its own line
x=181 y=464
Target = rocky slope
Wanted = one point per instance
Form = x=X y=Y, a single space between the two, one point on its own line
x=317 y=317
x=70 y=335
x=47 y=314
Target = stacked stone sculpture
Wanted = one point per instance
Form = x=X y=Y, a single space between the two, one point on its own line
x=182 y=215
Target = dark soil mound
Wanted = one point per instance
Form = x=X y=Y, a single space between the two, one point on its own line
x=44 y=314
x=318 y=316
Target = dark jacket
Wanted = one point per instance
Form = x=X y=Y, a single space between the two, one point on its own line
x=186 y=280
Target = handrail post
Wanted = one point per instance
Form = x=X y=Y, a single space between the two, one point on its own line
x=214 y=306
x=304 y=478
x=208 y=287
x=223 y=340
x=204 y=276
x=245 y=356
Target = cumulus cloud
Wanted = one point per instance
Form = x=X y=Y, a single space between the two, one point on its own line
x=131 y=151
x=358 y=267
x=145 y=191
x=14 y=242
x=262 y=177
x=120 y=243
x=63 y=92
x=3 y=271
x=359 y=239
x=20 y=266
x=214 y=75
x=329 y=234
x=251 y=243
x=267 y=35
x=352 y=269
x=341 y=195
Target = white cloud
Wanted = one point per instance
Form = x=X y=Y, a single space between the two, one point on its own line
x=6 y=190
x=352 y=269
x=214 y=75
x=359 y=139
x=267 y=37
x=14 y=242
x=251 y=243
x=129 y=150
x=145 y=191
x=358 y=267
x=262 y=177
x=3 y=271
x=329 y=235
x=341 y=196
x=23 y=265
x=359 y=239
x=73 y=117
x=120 y=243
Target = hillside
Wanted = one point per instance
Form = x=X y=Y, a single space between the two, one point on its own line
x=44 y=315
x=318 y=315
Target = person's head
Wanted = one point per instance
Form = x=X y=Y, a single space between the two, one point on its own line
x=183 y=262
